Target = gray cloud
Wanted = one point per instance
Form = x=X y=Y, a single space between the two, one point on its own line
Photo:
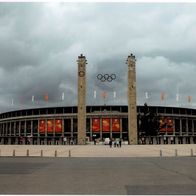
x=40 y=43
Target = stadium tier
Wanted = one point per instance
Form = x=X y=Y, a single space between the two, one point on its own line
x=58 y=125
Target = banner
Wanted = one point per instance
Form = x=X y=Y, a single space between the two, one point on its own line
x=106 y=125
x=166 y=125
x=115 y=124
x=50 y=126
x=95 y=124
x=42 y=126
x=58 y=126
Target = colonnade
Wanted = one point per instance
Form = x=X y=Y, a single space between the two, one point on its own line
x=11 y=130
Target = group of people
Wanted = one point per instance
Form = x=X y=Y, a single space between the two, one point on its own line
x=115 y=143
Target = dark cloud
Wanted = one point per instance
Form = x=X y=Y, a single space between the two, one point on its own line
x=40 y=43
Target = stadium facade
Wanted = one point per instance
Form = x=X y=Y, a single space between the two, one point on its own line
x=52 y=125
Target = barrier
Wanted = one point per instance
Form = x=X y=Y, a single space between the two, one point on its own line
x=192 y=153
x=27 y=152
x=14 y=153
x=176 y=152
x=161 y=153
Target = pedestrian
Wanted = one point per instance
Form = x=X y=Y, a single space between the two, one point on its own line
x=94 y=141
x=172 y=140
x=165 y=139
x=114 y=143
x=110 y=143
x=64 y=140
x=120 y=142
x=117 y=143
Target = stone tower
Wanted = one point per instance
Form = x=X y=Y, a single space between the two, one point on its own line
x=132 y=108
x=81 y=99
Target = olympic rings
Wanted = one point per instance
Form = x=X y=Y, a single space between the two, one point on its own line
x=106 y=77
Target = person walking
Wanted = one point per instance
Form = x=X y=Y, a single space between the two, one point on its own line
x=117 y=143
x=114 y=143
x=110 y=143
x=120 y=142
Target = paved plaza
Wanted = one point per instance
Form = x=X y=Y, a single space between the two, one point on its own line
x=98 y=175
x=98 y=150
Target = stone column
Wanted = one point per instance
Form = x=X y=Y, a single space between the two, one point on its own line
x=91 y=132
x=132 y=110
x=121 y=128
x=81 y=99
x=31 y=127
x=111 y=133
x=180 y=127
x=187 y=126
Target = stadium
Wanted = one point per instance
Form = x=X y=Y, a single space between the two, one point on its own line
x=50 y=126
x=83 y=124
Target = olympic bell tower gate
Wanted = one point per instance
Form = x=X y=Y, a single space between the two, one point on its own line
x=132 y=110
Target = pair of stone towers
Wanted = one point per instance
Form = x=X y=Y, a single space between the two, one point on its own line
x=132 y=110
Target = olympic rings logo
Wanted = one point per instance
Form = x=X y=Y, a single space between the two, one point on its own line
x=106 y=77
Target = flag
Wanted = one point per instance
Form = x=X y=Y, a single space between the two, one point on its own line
x=177 y=97
x=33 y=98
x=162 y=96
x=63 y=96
x=46 y=97
x=114 y=94
x=146 y=95
x=104 y=94
x=189 y=99
x=95 y=94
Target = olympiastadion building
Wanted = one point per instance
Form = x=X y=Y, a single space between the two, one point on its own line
x=83 y=123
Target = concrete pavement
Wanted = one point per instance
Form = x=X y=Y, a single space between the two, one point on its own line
x=98 y=175
x=98 y=150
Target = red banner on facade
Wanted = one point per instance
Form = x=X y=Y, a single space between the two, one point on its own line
x=50 y=126
x=166 y=125
x=95 y=124
x=116 y=124
x=42 y=126
x=58 y=126
x=105 y=124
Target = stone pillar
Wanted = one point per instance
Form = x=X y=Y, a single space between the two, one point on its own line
x=192 y=127
x=91 y=132
x=111 y=134
x=63 y=127
x=180 y=127
x=25 y=128
x=81 y=99
x=101 y=127
x=132 y=110
x=72 y=127
x=121 y=128
x=187 y=127
x=19 y=127
x=31 y=128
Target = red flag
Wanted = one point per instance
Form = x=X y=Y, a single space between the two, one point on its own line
x=104 y=94
x=46 y=97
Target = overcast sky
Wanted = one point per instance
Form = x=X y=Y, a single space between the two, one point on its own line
x=40 y=44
